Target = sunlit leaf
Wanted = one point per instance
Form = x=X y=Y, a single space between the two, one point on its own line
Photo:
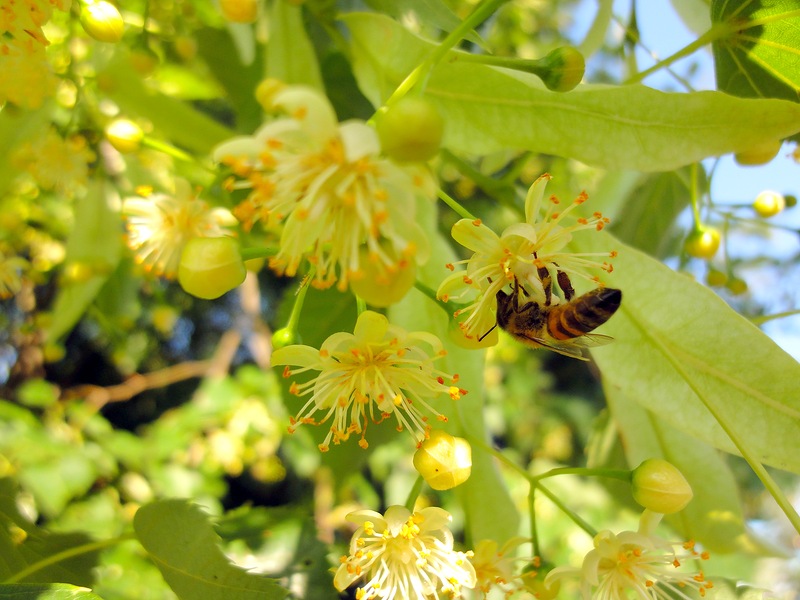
x=416 y=312
x=290 y=55
x=15 y=128
x=681 y=352
x=714 y=516
x=761 y=57
x=23 y=544
x=183 y=545
x=93 y=250
x=178 y=81
x=46 y=591
x=635 y=127
x=433 y=13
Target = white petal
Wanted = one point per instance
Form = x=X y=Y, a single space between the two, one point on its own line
x=533 y=201
x=310 y=108
x=297 y=355
x=235 y=147
x=371 y=327
x=478 y=238
x=435 y=518
x=359 y=140
x=359 y=517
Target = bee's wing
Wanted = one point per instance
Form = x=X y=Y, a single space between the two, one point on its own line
x=571 y=347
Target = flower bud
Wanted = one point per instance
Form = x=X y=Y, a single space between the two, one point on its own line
x=537 y=582
x=239 y=11
x=702 y=242
x=185 y=47
x=210 y=267
x=411 y=130
x=716 y=278
x=444 y=461
x=144 y=60
x=660 y=487
x=791 y=200
x=737 y=286
x=102 y=21
x=768 y=204
x=563 y=69
x=758 y=154
x=126 y=136
x=284 y=337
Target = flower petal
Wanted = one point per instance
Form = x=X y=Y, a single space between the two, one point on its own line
x=359 y=140
x=371 y=327
x=478 y=238
x=296 y=355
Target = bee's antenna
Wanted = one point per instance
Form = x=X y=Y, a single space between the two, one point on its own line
x=480 y=339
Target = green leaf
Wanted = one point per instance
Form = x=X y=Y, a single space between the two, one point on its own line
x=22 y=545
x=46 y=591
x=17 y=127
x=176 y=120
x=646 y=218
x=761 y=56
x=181 y=542
x=681 y=352
x=431 y=13
x=417 y=312
x=93 y=250
x=714 y=515
x=488 y=109
x=290 y=55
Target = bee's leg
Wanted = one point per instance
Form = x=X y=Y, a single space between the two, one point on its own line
x=566 y=285
x=547 y=284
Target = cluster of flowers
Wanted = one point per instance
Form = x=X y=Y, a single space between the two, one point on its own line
x=25 y=75
x=411 y=555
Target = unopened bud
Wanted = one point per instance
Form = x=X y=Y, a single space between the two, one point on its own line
x=563 y=69
x=444 y=461
x=210 y=267
x=702 y=242
x=411 y=130
x=239 y=11
x=284 y=337
x=266 y=91
x=102 y=21
x=768 y=204
x=660 y=487
x=758 y=154
x=126 y=136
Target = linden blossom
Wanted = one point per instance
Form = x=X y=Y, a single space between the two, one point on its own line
x=160 y=226
x=519 y=253
x=377 y=372
x=328 y=187
x=404 y=555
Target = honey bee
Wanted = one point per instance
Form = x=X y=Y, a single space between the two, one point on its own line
x=564 y=328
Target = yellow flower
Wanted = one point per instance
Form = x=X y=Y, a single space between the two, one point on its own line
x=329 y=189
x=11 y=268
x=56 y=163
x=25 y=75
x=378 y=372
x=634 y=563
x=524 y=251
x=160 y=226
x=404 y=556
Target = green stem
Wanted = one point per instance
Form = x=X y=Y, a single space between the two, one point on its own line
x=765 y=318
x=535 y=485
x=718 y=31
x=568 y=512
x=621 y=474
x=431 y=293
x=294 y=317
x=693 y=194
x=172 y=151
x=361 y=304
x=482 y=12
x=65 y=555
x=532 y=517
x=414 y=493
x=261 y=252
x=455 y=205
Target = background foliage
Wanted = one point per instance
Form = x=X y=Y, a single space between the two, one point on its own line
x=142 y=429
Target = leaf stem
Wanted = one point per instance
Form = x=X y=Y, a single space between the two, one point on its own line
x=66 y=555
x=482 y=12
x=621 y=474
x=718 y=31
x=781 y=315
x=413 y=494
x=261 y=252
x=455 y=205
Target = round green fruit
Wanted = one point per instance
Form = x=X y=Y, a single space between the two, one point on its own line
x=411 y=130
x=103 y=22
x=211 y=267
x=768 y=204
